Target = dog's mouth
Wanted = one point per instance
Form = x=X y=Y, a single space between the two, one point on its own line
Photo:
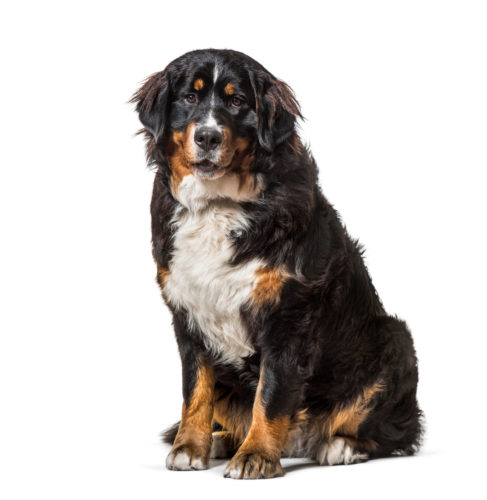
x=210 y=170
x=206 y=167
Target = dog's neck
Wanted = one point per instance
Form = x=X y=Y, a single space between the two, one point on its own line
x=196 y=193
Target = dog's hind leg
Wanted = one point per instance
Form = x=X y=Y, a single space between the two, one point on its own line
x=342 y=450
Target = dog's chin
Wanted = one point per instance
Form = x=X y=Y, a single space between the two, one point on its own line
x=208 y=170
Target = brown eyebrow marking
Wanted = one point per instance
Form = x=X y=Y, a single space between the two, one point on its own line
x=229 y=88
x=198 y=84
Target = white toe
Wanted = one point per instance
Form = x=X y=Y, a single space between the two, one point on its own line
x=338 y=451
x=178 y=461
x=197 y=464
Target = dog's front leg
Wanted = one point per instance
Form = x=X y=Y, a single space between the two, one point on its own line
x=191 y=448
x=275 y=401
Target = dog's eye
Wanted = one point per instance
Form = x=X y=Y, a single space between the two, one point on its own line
x=236 y=102
x=191 y=98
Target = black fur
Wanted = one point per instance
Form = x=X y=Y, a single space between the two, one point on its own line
x=329 y=337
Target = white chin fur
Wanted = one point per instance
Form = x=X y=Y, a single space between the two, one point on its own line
x=194 y=192
x=209 y=176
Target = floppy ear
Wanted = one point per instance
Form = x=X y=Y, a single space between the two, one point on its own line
x=277 y=110
x=152 y=103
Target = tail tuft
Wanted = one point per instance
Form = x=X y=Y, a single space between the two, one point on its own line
x=169 y=435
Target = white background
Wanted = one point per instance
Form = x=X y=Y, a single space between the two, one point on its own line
x=395 y=96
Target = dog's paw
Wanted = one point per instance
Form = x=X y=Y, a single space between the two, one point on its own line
x=186 y=457
x=253 y=466
x=337 y=451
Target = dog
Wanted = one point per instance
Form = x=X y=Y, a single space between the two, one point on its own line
x=286 y=348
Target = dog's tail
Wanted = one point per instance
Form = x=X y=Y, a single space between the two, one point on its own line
x=169 y=435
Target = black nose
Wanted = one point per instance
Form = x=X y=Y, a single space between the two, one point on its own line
x=207 y=138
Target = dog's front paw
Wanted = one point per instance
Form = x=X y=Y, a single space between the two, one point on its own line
x=253 y=466
x=187 y=457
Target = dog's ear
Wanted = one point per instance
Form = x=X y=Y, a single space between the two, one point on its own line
x=277 y=110
x=152 y=103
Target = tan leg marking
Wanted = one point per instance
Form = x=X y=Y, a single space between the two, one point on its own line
x=259 y=455
x=345 y=420
x=233 y=416
x=338 y=431
x=191 y=448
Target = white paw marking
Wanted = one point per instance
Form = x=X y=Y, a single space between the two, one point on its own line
x=233 y=473
x=197 y=464
x=338 y=451
x=182 y=461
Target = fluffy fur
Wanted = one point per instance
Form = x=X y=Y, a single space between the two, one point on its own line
x=285 y=346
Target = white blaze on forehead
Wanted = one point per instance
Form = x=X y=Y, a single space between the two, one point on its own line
x=210 y=120
x=215 y=73
x=215 y=77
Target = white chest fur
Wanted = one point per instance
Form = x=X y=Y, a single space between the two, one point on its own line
x=202 y=281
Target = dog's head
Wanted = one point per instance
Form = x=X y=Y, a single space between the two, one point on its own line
x=209 y=111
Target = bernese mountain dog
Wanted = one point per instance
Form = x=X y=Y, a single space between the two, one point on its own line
x=286 y=348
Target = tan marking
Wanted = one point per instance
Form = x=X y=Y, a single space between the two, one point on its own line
x=198 y=84
x=345 y=420
x=179 y=153
x=266 y=436
x=260 y=453
x=162 y=275
x=243 y=163
x=267 y=290
x=234 y=156
x=234 y=416
x=229 y=88
x=242 y=145
x=196 y=422
x=233 y=150
x=227 y=148
x=248 y=181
